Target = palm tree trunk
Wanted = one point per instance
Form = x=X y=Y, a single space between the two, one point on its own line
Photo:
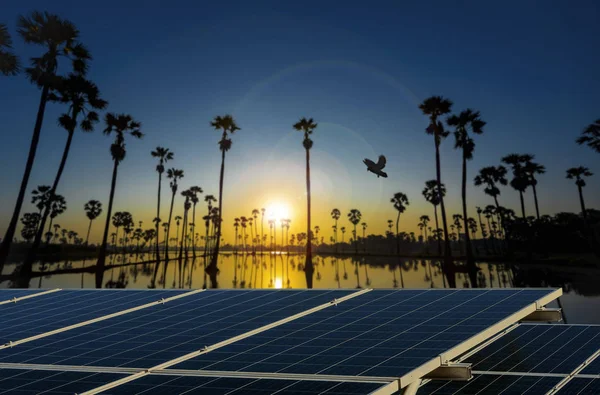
x=157 y=219
x=88 y=232
x=213 y=263
x=308 y=265
x=535 y=199
x=169 y=228
x=102 y=254
x=262 y=229
x=485 y=245
x=193 y=238
x=472 y=269
x=12 y=227
x=397 y=235
x=437 y=227
x=522 y=204
x=582 y=202
x=49 y=230
x=448 y=264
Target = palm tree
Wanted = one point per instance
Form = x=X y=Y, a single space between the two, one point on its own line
x=520 y=181
x=262 y=223
x=479 y=211
x=57 y=205
x=93 y=209
x=209 y=199
x=227 y=125
x=354 y=217
x=491 y=176
x=435 y=107
x=41 y=197
x=577 y=173
x=194 y=191
x=9 y=63
x=178 y=222
x=425 y=220
x=120 y=125
x=255 y=213
x=400 y=201
x=343 y=229
x=591 y=136
x=432 y=194
x=56 y=228
x=174 y=175
x=364 y=228
x=59 y=37
x=163 y=155
x=30 y=225
x=531 y=169
x=307 y=126
x=335 y=214
x=467 y=119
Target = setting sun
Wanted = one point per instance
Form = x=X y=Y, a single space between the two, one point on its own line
x=278 y=211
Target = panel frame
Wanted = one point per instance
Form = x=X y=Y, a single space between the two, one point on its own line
x=31 y=295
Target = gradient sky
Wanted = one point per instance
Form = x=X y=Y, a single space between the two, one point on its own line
x=531 y=68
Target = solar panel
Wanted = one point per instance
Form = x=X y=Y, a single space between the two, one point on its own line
x=8 y=295
x=593 y=368
x=380 y=333
x=157 y=334
x=539 y=348
x=581 y=386
x=33 y=382
x=163 y=384
x=492 y=384
x=55 y=310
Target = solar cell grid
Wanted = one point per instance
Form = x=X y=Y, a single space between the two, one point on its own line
x=593 y=367
x=160 y=384
x=9 y=294
x=152 y=336
x=539 y=348
x=34 y=382
x=492 y=384
x=44 y=313
x=579 y=386
x=380 y=333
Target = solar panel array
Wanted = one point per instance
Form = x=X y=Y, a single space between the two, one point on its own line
x=531 y=359
x=262 y=341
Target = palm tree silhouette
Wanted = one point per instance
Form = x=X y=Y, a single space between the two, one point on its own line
x=163 y=155
x=364 y=228
x=255 y=213
x=93 y=209
x=491 y=176
x=262 y=223
x=343 y=229
x=425 y=220
x=400 y=201
x=41 y=197
x=174 y=175
x=591 y=136
x=435 y=107
x=209 y=199
x=194 y=191
x=520 y=181
x=120 y=125
x=307 y=126
x=431 y=194
x=530 y=168
x=9 y=63
x=83 y=97
x=59 y=37
x=56 y=228
x=467 y=119
x=227 y=125
x=354 y=217
x=578 y=173
x=30 y=223
x=335 y=214
x=57 y=205
x=178 y=222
x=479 y=211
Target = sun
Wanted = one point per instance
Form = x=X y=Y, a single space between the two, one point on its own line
x=278 y=211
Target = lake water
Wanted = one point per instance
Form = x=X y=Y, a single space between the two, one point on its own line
x=581 y=300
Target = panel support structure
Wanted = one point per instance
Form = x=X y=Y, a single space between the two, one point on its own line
x=412 y=388
x=451 y=371
x=545 y=315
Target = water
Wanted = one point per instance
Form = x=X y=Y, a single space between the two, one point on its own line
x=581 y=302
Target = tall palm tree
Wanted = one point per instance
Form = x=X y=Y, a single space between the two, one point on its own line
x=491 y=177
x=174 y=175
x=30 y=224
x=434 y=107
x=520 y=181
x=467 y=119
x=255 y=213
x=307 y=126
x=343 y=229
x=578 y=173
x=400 y=201
x=57 y=205
x=531 y=169
x=83 y=98
x=354 y=217
x=591 y=136
x=119 y=125
x=335 y=214
x=178 y=222
x=93 y=209
x=194 y=192
x=41 y=197
x=60 y=39
x=432 y=194
x=364 y=228
x=9 y=63
x=479 y=211
x=424 y=220
x=262 y=223
x=163 y=155
x=227 y=125
x=209 y=199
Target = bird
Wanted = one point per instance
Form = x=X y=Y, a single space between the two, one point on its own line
x=376 y=168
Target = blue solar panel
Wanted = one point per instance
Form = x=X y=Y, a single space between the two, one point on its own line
x=581 y=386
x=33 y=382
x=492 y=384
x=540 y=349
x=55 y=310
x=592 y=368
x=162 y=384
x=151 y=336
x=9 y=294
x=380 y=333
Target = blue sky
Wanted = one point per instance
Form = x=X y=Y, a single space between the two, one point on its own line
x=531 y=68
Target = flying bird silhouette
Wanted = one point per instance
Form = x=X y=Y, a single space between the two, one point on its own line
x=375 y=168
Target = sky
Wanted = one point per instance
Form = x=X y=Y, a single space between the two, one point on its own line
x=530 y=68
